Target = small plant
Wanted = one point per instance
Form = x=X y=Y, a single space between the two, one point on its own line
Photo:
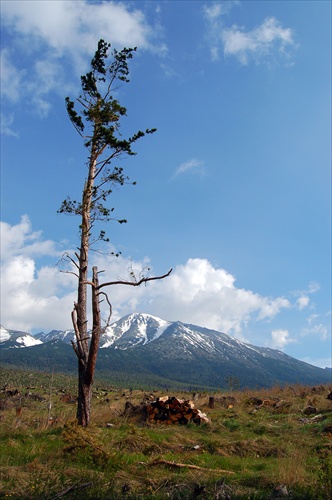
x=232 y=424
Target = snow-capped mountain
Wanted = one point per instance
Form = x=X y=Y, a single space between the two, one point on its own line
x=65 y=335
x=134 y=330
x=131 y=331
x=13 y=338
x=143 y=347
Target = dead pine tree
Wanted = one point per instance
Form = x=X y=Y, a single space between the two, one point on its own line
x=96 y=117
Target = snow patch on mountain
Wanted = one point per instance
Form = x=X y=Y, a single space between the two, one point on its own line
x=16 y=339
x=197 y=340
x=65 y=335
x=28 y=341
x=4 y=334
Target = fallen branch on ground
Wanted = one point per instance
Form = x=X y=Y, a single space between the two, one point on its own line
x=71 y=488
x=188 y=466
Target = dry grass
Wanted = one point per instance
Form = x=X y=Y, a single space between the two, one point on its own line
x=263 y=446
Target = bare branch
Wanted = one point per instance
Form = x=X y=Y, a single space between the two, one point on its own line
x=82 y=102
x=77 y=347
x=111 y=310
x=69 y=272
x=88 y=283
x=105 y=161
x=135 y=283
x=66 y=255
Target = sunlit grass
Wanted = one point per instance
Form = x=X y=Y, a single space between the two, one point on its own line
x=246 y=449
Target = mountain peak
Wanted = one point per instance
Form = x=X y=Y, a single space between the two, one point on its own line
x=143 y=344
x=133 y=330
x=14 y=338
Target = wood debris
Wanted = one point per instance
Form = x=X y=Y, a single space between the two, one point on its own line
x=171 y=410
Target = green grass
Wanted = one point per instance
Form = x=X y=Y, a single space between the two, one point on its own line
x=245 y=452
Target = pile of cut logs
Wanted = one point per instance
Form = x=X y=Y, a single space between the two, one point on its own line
x=171 y=410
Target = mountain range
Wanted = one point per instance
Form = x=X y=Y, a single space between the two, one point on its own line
x=142 y=349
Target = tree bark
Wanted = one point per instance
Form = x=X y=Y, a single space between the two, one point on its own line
x=84 y=397
x=96 y=328
x=86 y=368
x=85 y=364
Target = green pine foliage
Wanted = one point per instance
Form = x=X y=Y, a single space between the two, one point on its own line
x=95 y=115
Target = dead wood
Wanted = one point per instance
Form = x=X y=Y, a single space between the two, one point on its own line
x=71 y=488
x=171 y=410
x=188 y=466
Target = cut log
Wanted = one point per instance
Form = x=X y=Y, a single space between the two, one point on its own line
x=168 y=410
x=174 y=410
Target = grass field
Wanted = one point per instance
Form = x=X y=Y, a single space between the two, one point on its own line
x=249 y=450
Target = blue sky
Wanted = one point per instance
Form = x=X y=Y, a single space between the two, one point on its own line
x=233 y=191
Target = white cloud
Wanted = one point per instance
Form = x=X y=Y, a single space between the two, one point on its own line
x=260 y=44
x=60 y=37
x=312 y=318
x=268 y=38
x=302 y=302
x=212 y=11
x=31 y=297
x=194 y=166
x=314 y=287
x=317 y=324
x=199 y=293
x=10 y=77
x=75 y=26
x=212 y=14
x=6 y=125
x=316 y=329
x=279 y=339
x=41 y=297
x=19 y=240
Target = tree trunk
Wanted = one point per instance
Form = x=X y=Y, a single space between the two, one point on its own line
x=84 y=397
x=86 y=369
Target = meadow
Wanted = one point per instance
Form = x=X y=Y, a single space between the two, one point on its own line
x=259 y=444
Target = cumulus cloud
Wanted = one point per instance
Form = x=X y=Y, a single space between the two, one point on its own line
x=38 y=296
x=201 y=294
x=20 y=239
x=82 y=23
x=31 y=297
x=302 y=302
x=57 y=39
x=261 y=44
x=279 y=339
x=270 y=37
